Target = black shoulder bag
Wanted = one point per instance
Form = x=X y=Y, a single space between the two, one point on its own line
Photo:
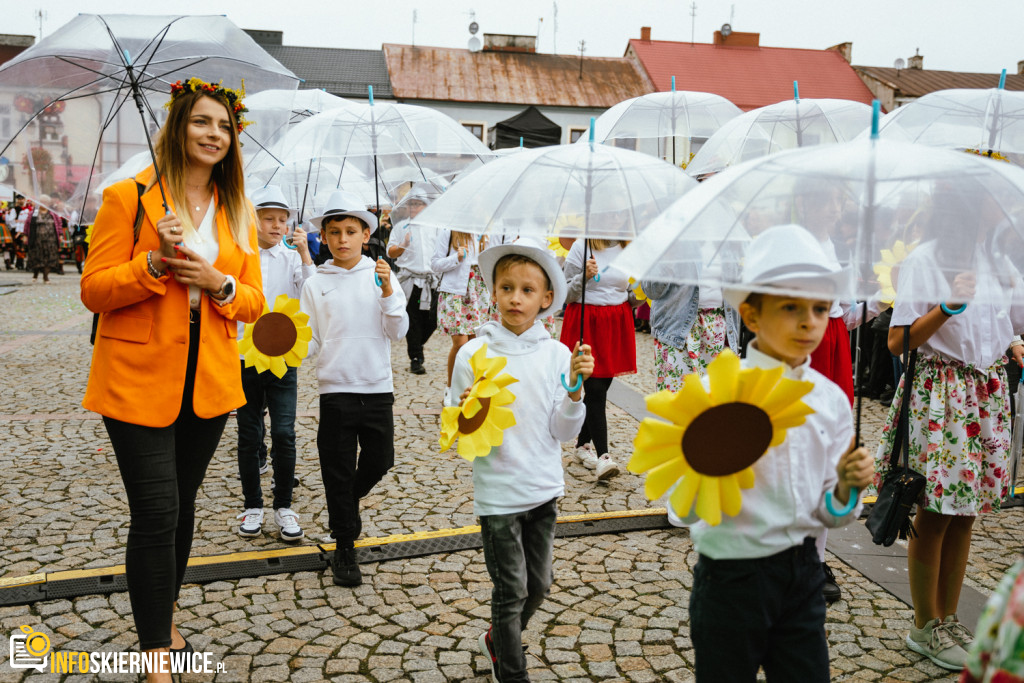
x=135 y=229
x=890 y=515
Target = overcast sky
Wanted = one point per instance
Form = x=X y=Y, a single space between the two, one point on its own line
x=956 y=35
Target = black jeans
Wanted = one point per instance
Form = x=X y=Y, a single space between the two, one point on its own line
x=422 y=323
x=595 y=425
x=162 y=469
x=767 y=612
x=280 y=394
x=356 y=441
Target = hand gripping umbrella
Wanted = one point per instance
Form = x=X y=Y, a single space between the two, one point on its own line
x=616 y=193
x=72 y=88
x=968 y=201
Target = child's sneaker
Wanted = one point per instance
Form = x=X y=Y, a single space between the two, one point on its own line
x=585 y=454
x=935 y=642
x=606 y=467
x=252 y=522
x=288 y=524
x=961 y=634
x=345 y=568
x=487 y=650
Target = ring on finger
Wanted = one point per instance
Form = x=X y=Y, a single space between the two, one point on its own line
x=175 y=231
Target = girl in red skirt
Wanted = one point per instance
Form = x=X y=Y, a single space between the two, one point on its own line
x=608 y=328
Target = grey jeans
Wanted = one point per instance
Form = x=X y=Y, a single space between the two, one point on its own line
x=518 y=551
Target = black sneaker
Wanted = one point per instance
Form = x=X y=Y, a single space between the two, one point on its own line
x=416 y=368
x=831 y=591
x=345 y=568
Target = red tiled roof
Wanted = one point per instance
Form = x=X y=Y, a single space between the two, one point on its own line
x=750 y=77
x=458 y=75
x=919 y=82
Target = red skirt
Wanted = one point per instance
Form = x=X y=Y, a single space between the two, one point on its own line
x=832 y=357
x=610 y=333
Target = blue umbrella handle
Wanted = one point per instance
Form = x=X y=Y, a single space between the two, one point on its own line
x=597 y=277
x=848 y=508
x=377 y=281
x=290 y=243
x=579 y=383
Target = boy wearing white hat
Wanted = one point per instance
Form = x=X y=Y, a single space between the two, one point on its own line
x=356 y=309
x=516 y=486
x=757 y=594
x=284 y=270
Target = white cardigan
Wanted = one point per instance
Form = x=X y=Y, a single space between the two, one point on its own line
x=454 y=273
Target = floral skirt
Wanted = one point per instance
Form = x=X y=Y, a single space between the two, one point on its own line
x=959 y=435
x=463 y=314
x=707 y=340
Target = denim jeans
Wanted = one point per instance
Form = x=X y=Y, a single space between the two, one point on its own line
x=280 y=395
x=745 y=614
x=162 y=469
x=356 y=441
x=518 y=550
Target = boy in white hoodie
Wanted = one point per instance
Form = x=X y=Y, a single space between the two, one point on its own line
x=356 y=309
x=516 y=486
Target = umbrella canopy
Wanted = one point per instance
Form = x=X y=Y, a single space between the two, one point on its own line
x=778 y=127
x=668 y=125
x=865 y=201
x=273 y=112
x=978 y=120
x=71 y=89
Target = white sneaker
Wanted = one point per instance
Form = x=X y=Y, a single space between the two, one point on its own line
x=961 y=634
x=606 y=467
x=252 y=522
x=585 y=454
x=287 y=521
x=935 y=642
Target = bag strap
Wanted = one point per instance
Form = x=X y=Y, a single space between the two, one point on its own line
x=137 y=226
x=901 y=442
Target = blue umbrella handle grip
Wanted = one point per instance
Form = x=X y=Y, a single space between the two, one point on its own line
x=288 y=242
x=377 y=280
x=848 y=508
x=597 y=277
x=579 y=383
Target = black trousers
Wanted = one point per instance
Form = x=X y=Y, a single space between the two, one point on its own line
x=595 y=425
x=162 y=469
x=422 y=323
x=356 y=441
x=767 y=612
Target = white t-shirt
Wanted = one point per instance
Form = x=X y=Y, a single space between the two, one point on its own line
x=205 y=243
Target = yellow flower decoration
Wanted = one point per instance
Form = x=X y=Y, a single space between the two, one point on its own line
x=991 y=154
x=88 y=234
x=713 y=438
x=891 y=258
x=638 y=291
x=479 y=423
x=555 y=245
x=279 y=338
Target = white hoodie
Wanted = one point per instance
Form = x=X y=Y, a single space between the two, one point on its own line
x=526 y=470
x=353 y=327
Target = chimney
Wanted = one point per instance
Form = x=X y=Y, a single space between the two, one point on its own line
x=844 y=49
x=1020 y=68
x=500 y=42
x=645 y=34
x=917 y=61
x=737 y=39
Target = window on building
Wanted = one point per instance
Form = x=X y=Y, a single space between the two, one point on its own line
x=477 y=128
x=576 y=133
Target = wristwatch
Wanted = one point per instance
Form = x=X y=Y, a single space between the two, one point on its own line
x=226 y=289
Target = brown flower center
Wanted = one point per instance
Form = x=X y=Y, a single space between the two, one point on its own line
x=274 y=334
x=727 y=439
x=470 y=425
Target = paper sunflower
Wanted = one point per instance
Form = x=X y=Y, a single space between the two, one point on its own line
x=638 y=291
x=279 y=339
x=479 y=423
x=713 y=438
x=891 y=259
x=557 y=245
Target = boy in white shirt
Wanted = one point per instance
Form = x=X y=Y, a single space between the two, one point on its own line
x=284 y=271
x=757 y=590
x=354 y=320
x=516 y=486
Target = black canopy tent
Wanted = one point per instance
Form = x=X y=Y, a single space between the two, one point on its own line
x=531 y=125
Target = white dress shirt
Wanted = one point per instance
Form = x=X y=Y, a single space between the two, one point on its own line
x=204 y=242
x=787 y=502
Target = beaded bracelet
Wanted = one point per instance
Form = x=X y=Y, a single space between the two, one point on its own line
x=149 y=266
x=951 y=311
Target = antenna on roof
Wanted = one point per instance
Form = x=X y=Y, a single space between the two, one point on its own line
x=693 y=21
x=582 y=48
x=554 y=29
x=414 y=28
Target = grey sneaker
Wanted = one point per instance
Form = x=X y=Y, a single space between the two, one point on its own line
x=961 y=634
x=252 y=522
x=936 y=642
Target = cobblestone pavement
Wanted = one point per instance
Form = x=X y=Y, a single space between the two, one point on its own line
x=617 y=610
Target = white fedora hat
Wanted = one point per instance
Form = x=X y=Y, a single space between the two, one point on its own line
x=271 y=197
x=343 y=203
x=490 y=256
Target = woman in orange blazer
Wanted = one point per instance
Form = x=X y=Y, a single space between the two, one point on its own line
x=165 y=369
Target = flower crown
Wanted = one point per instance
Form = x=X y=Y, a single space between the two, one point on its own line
x=233 y=97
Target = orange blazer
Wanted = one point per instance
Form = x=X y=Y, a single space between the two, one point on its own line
x=141 y=351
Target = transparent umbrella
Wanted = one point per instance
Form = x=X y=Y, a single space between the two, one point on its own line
x=668 y=125
x=71 y=88
x=778 y=127
x=273 y=112
x=610 y=193
x=989 y=122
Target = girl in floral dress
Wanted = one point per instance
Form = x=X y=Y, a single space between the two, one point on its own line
x=463 y=303
x=959 y=425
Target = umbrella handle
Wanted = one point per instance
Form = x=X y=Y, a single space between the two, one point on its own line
x=848 y=508
x=579 y=383
x=377 y=281
x=288 y=243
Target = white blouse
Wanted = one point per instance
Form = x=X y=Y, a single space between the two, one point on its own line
x=205 y=243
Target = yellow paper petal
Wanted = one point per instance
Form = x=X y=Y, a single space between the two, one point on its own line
x=278 y=366
x=786 y=392
x=732 y=499
x=261 y=362
x=682 y=498
x=471 y=407
x=709 y=505
x=723 y=373
x=745 y=478
x=660 y=479
x=655 y=442
x=303 y=334
x=245 y=345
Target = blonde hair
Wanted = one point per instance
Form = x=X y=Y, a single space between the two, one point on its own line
x=460 y=240
x=601 y=245
x=172 y=161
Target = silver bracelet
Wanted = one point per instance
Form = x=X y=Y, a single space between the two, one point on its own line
x=149 y=266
